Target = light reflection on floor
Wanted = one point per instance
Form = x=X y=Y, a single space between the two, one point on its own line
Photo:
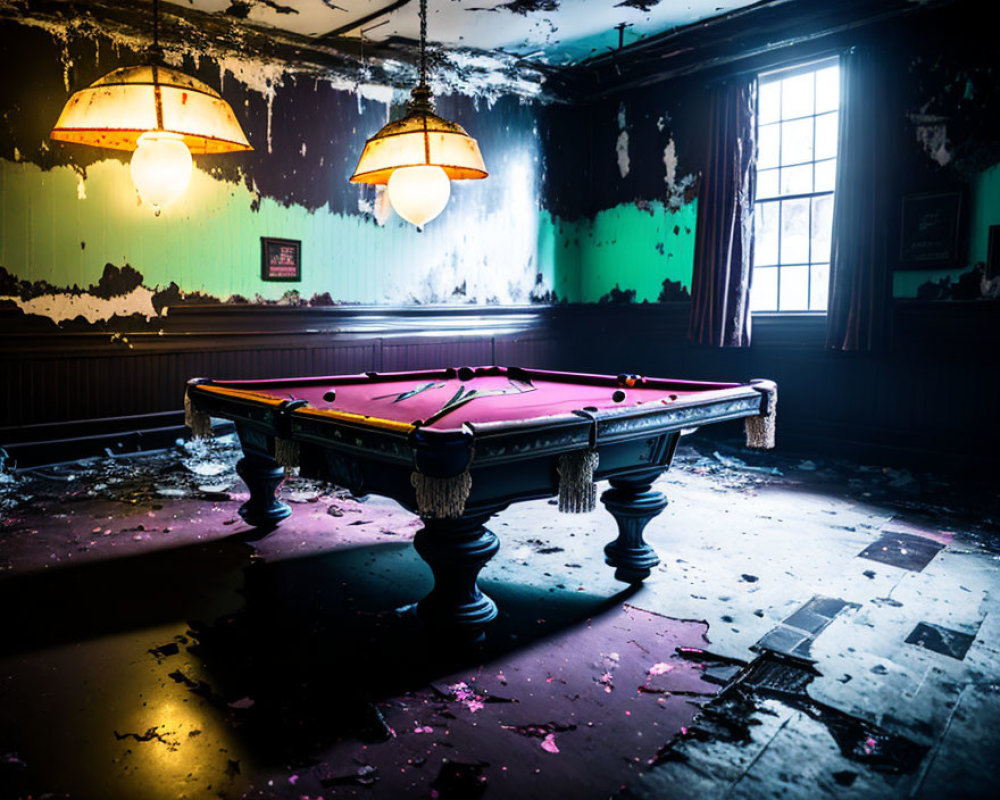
x=154 y=651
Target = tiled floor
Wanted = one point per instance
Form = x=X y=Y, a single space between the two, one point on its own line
x=814 y=628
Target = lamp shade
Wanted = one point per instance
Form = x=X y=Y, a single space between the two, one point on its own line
x=419 y=139
x=117 y=109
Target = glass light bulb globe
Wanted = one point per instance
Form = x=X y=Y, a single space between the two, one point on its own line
x=418 y=194
x=161 y=168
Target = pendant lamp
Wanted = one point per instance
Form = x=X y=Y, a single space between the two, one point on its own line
x=160 y=115
x=416 y=157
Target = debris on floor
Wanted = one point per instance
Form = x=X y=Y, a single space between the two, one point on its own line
x=815 y=626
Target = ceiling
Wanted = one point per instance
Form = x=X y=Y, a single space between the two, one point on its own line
x=556 y=32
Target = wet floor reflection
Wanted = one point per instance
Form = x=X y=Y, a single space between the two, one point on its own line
x=194 y=670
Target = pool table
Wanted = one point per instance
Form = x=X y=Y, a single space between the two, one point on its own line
x=456 y=446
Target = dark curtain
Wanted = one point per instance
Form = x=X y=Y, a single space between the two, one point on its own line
x=720 y=285
x=856 y=319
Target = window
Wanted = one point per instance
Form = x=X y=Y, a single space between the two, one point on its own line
x=797 y=119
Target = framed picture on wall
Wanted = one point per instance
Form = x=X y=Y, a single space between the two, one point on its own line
x=931 y=230
x=280 y=259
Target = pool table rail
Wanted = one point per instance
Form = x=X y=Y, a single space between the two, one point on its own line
x=366 y=454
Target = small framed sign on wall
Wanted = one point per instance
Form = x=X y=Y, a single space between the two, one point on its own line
x=931 y=227
x=280 y=259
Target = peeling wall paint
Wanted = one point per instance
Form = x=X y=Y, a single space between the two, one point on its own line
x=633 y=246
x=670 y=163
x=558 y=218
x=628 y=226
x=621 y=151
x=638 y=246
x=621 y=145
x=64 y=306
x=932 y=135
x=666 y=148
x=211 y=244
x=66 y=211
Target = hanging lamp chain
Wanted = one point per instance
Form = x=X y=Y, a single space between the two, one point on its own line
x=423 y=42
x=155 y=51
x=420 y=97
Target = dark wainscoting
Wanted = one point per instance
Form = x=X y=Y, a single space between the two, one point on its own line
x=66 y=386
x=930 y=398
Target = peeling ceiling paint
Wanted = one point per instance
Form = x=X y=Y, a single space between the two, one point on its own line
x=556 y=32
x=262 y=58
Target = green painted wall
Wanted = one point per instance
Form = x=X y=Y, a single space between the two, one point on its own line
x=559 y=254
x=58 y=227
x=637 y=248
x=629 y=246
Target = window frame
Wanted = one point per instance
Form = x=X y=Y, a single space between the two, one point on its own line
x=811 y=66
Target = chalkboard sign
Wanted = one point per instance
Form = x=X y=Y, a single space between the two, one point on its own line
x=280 y=259
x=931 y=231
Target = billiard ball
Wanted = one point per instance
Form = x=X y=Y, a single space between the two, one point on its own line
x=631 y=381
x=330 y=396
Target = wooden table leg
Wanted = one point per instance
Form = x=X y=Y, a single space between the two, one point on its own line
x=456 y=550
x=633 y=505
x=262 y=475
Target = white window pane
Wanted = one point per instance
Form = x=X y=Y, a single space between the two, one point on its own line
x=826 y=175
x=764 y=289
x=797 y=120
x=797 y=96
x=827 y=89
x=797 y=180
x=767 y=183
x=826 y=136
x=765 y=245
x=819 y=287
x=822 y=227
x=797 y=141
x=769 y=102
x=794 y=289
x=795 y=231
x=767 y=146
